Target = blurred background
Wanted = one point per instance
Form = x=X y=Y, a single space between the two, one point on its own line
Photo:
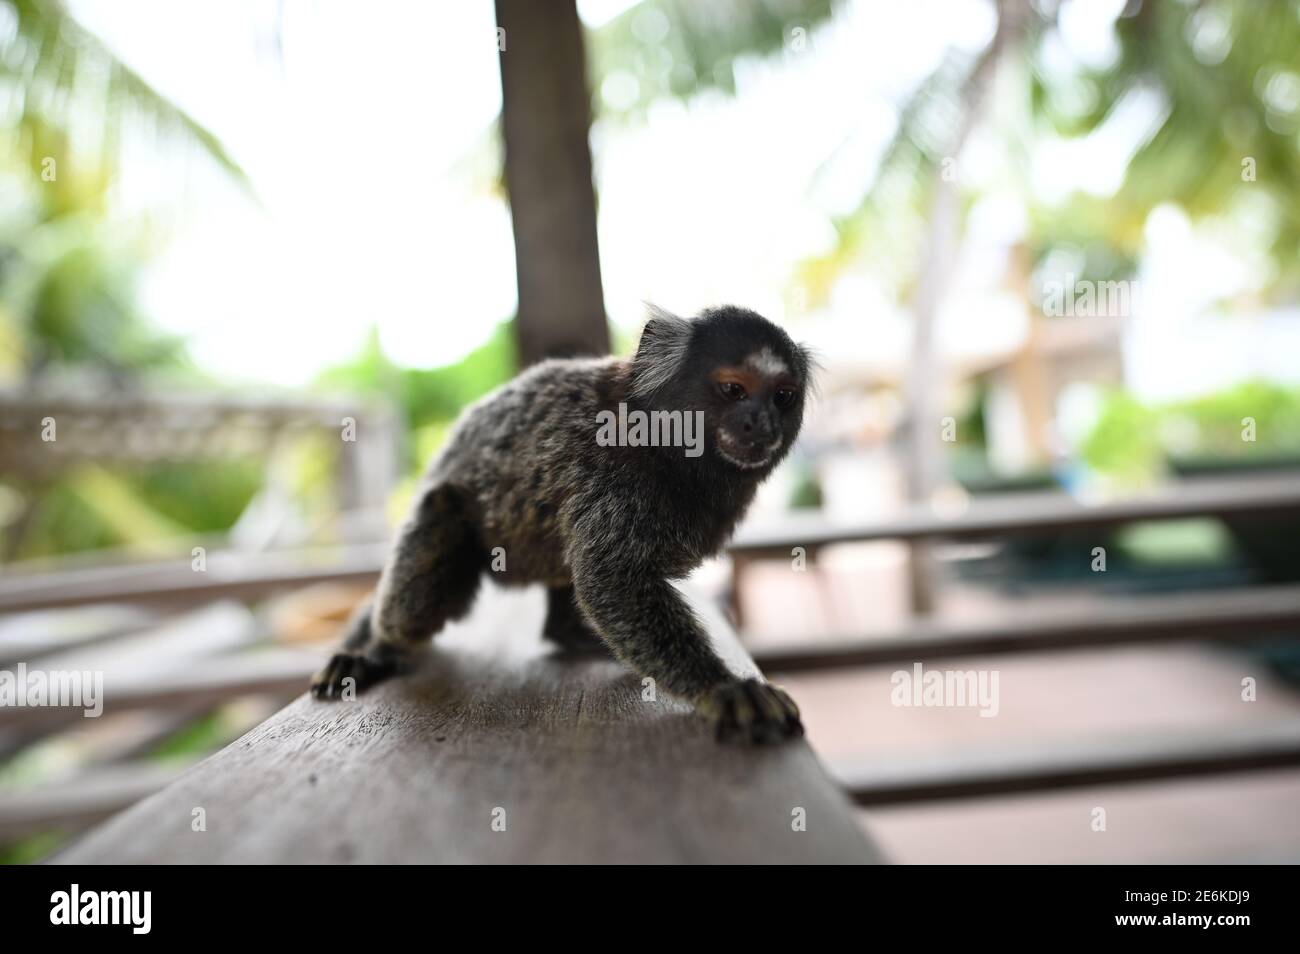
x=255 y=257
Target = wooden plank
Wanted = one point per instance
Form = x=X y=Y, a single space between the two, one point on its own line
x=26 y=636
x=135 y=667
x=253 y=576
x=82 y=801
x=1236 y=615
x=1045 y=766
x=582 y=767
x=1027 y=513
x=111 y=773
x=228 y=575
x=204 y=682
x=17 y=405
x=204 y=631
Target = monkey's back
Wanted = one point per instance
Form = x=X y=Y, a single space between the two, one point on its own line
x=521 y=453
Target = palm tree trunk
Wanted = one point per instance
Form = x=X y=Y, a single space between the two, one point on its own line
x=925 y=377
x=545 y=117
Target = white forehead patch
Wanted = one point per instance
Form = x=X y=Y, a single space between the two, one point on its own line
x=765 y=362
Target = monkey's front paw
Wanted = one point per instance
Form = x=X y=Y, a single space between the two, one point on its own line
x=362 y=671
x=752 y=710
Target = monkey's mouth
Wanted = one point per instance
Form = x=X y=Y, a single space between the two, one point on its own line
x=744 y=454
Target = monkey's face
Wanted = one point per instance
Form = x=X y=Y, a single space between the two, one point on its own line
x=757 y=408
x=743 y=373
x=750 y=379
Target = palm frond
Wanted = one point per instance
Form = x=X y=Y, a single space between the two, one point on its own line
x=680 y=48
x=57 y=75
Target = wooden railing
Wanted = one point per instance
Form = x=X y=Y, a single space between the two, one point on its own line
x=495 y=751
x=1240 y=615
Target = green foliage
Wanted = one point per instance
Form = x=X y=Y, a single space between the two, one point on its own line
x=92 y=508
x=1225 y=75
x=369 y=373
x=205 y=734
x=1104 y=235
x=680 y=48
x=204 y=497
x=83 y=312
x=63 y=522
x=806 y=492
x=1124 y=443
x=310 y=465
x=67 y=268
x=64 y=77
x=1132 y=442
x=32 y=849
x=1212 y=426
x=68 y=287
x=1215 y=64
x=428 y=398
x=887 y=229
x=439 y=394
x=1202 y=541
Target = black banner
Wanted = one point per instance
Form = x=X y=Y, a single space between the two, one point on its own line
x=328 y=906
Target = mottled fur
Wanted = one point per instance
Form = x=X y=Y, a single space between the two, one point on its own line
x=605 y=528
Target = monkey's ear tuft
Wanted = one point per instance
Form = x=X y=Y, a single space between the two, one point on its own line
x=664 y=343
x=810 y=368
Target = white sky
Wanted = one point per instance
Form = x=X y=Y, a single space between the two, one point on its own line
x=351 y=135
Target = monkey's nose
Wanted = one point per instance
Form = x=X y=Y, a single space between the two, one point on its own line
x=752 y=435
x=757 y=430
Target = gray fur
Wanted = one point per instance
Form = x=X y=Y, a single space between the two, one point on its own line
x=602 y=527
x=665 y=341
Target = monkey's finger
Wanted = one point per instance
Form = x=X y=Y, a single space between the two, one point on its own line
x=749 y=708
x=767 y=700
x=727 y=724
x=342 y=670
x=767 y=719
x=793 y=720
x=790 y=705
x=331 y=678
x=320 y=682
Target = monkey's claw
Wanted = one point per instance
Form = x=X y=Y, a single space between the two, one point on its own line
x=363 y=671
x=754 y=711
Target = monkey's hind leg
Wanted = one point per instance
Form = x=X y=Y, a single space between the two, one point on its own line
x=567 y=627
x=430 y=579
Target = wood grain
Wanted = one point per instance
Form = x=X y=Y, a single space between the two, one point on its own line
x=412 y=771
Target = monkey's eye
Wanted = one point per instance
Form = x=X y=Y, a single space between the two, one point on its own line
x=783 y=397
x=733 y=391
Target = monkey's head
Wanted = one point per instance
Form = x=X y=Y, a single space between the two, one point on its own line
x=740 y=369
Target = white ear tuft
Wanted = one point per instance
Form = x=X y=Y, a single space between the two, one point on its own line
x=664 y=342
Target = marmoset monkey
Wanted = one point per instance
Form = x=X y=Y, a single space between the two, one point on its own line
x=602 y=513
